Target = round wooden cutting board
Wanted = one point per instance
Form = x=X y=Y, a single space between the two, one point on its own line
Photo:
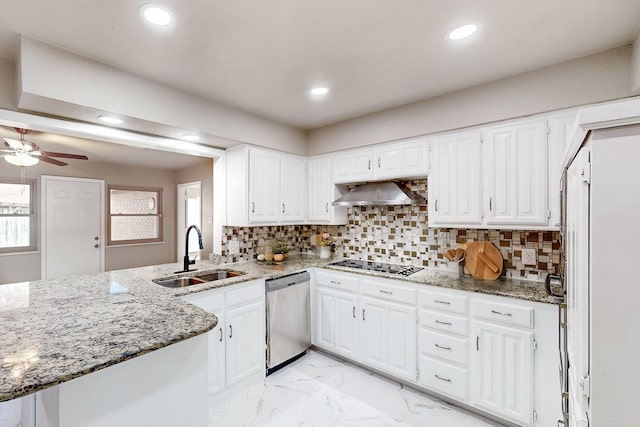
x=483 y=260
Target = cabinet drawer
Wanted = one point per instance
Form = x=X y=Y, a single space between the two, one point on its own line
x=244 y=294
x=444 y=301
x=337 y=280
x=447 y=347
x=397 y=293
x=212 y=302
x=504 y=313
x=444 y=322
x=444 y=378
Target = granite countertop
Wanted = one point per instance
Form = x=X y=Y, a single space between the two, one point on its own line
x=57 y=330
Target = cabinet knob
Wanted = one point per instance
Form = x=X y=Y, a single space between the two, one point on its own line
x=96 y=246
x=96 y=238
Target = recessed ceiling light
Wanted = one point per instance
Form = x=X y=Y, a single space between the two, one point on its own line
x=191 y=137
x=156 y=14
x=462 y=32
x=110 y=120
x=319 y=91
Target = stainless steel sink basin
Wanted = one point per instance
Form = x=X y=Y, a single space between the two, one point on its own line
x=179 y=282
x=219 y=275
x=211 y=276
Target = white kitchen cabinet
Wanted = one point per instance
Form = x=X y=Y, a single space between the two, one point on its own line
x=388 y=336
x=407 y=159
x=321 y=192
x=502 y=381
x=455 y=180
x=236 y=346
x=401 y=160
x=352 y=166
x=337 y=321
x=292 y=188
x=264 y=187
x=18 y=412
x=561 y=128
x=245 y=342
x=515 y=174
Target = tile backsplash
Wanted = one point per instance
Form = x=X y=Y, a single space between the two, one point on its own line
x=399 y=234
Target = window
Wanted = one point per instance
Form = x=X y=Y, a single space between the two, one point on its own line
x=17 y=215
x=135 y=215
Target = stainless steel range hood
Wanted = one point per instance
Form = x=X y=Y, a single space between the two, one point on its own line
x=380 y=194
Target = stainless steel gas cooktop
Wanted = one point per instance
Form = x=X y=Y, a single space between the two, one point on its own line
x=382 y=267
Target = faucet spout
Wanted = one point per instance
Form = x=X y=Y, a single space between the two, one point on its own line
x=186 y=261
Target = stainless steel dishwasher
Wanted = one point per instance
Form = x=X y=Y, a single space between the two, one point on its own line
x=288 y=319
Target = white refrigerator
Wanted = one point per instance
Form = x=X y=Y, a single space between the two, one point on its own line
x=601 y=251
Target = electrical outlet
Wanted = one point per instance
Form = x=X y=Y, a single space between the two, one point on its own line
x=234 y=247
x=529 y=257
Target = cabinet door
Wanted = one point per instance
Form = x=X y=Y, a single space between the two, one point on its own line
x=373 y=332
x=245 y=341
x=502 y=372
x=352 y=166
x=515 y=174
x=403 y=160
x=337 y=323
x=388 y=337
x=455 y=183
x=561 y=132
x=217 y=356
x=292 y=186
x=264 y=186
x=319 y=189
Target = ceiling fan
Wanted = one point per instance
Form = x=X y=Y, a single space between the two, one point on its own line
x=25 y=153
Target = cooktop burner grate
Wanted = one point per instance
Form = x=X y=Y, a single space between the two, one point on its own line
x=382 y=267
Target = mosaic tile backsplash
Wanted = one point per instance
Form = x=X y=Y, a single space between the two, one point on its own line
x=399 y=234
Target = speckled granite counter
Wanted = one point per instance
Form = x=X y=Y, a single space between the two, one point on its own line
x=57 y=330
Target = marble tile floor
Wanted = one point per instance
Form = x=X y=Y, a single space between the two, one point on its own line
x=320 y=391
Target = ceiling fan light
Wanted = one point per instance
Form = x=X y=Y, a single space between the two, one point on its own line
x=21 y=159
x=14 y=143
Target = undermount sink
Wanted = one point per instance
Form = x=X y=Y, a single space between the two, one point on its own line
x=211 y=276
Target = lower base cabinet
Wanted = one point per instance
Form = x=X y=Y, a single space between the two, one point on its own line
x=237 y=343
x=503 y=371
x=488 y=352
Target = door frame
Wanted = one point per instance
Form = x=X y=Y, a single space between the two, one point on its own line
x=181 y=211
x=43 y=217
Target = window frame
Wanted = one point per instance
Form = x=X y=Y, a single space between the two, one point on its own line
x=159 y=214
x=33 y=223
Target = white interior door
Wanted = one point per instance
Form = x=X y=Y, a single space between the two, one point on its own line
x=189 y=213
x=72 y=226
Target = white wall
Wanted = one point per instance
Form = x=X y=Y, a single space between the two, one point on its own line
x=81 y=86
x=596 y=78
x=7 y=84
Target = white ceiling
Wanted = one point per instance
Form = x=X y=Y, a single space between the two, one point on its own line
x=263 y=56
x=104 y=152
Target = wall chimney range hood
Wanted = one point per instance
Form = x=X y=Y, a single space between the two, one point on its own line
x=380 y=194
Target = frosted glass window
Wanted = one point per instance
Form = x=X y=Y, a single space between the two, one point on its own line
x=17 y=215
x=135 y=215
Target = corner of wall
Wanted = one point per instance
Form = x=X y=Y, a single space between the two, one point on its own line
x=635 y=65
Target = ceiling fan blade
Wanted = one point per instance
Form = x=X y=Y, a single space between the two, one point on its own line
x=63 y=155
x=52 y=161
x=13 y=143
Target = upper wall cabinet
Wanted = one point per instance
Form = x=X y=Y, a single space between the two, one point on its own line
x=389 y=161
x=561 y=130
x=321 y=192
x=264 y=187
x=515 y=174
x=455 y=180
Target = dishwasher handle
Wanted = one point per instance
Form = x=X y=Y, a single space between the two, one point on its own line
x=287 y=280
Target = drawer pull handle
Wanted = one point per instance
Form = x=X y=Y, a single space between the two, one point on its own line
x=221 y=335
x=363 y=319
x=442 y=378
x=354 y=311
x=230 y=331
x=326 y=207
x=442 y=302
x=443 y=323
x=501 y=314
x=443 y=347
x=335 y=282
x=386 y=292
